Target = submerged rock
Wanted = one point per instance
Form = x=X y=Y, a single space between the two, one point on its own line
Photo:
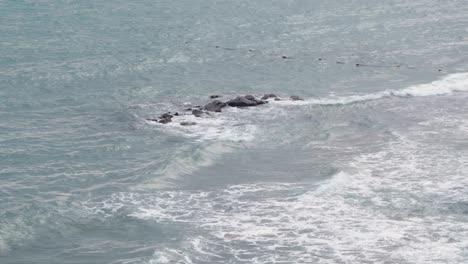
x=166 y=115
x=296 y=98
x=268 y=96
x=197 y=112
x=188 y=123
x=214 y=106
x=165 y=120
x=244 y=101
x=214 y=96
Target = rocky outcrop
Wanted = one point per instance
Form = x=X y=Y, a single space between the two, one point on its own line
x=217 y=106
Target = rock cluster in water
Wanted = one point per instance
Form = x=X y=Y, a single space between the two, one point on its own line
x=217 y=105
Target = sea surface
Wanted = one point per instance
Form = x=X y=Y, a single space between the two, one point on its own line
x=371 y=167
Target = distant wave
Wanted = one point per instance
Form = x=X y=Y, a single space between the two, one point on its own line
x=457 y=82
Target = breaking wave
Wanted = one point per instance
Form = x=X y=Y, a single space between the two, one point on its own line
x=404 y=203
x=457 y=82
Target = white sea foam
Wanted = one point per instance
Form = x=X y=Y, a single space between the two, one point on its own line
x=216 y=126
x=403 y=204
x=457 y=82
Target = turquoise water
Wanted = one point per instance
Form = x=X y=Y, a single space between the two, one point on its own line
x=370 y=168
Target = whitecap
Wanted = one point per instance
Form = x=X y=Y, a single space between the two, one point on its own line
x=457 y=82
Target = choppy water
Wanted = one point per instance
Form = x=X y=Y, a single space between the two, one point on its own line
x=372 y=167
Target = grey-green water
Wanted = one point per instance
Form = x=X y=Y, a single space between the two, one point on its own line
x=370 y=168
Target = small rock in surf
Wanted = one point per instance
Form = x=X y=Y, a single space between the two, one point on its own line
x=214 y=106
x=197 y=112
x=296 y=98
x=268 y=96
x=188 y=123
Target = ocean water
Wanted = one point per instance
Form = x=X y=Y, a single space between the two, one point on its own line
x=371 y=167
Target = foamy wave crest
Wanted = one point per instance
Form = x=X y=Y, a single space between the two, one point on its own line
x=224 y=127
x=457 y=82
x=185 y=161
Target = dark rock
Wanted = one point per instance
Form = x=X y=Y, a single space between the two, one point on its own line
x=166 y=116
x=188 y=123
x=214 y=96
x=165 y=120
x=197 y=112
x=277 y=99
x=176 y=114
x=244 y=101
x=268 y=96
x=152 y=119
x=295 y=98
x=214 y=106
x=250 y=97
x=188 y=109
